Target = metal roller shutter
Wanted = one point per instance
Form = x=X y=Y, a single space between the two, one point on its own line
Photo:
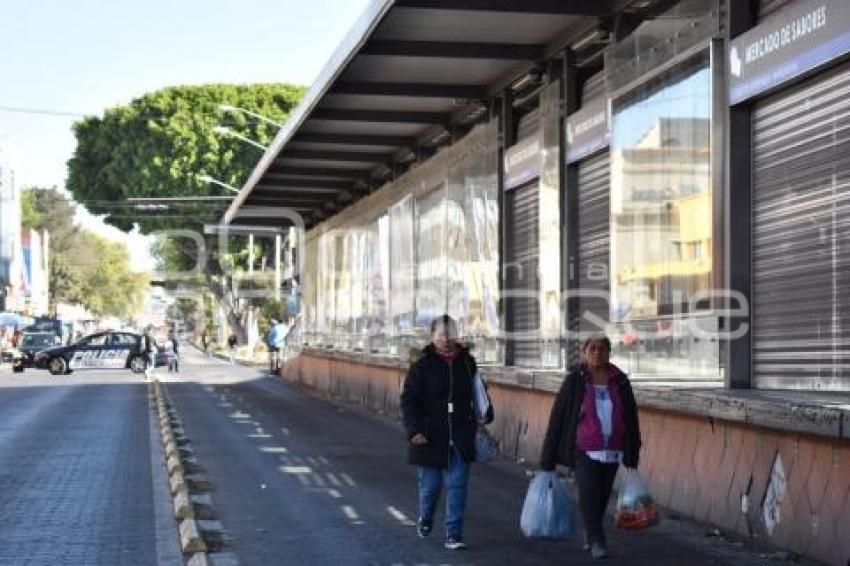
x=594 y=229
x=521 y=270
x=801 y=236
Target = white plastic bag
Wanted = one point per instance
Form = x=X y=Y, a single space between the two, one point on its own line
x=635 y=507
x=548 y=509
x=482 y=400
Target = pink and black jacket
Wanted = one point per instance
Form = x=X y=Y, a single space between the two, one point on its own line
x=573 y=425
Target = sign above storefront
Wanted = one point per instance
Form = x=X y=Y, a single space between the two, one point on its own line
x=588 y=130
x=522 y=161
x=797 y=39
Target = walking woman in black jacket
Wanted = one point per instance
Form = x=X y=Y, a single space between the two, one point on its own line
x=593 y=429
x=439 y=414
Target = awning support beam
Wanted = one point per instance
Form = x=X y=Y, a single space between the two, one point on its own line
x=391 y=116
x=575 y=7
x=419 y=90
x=320 y=155
x=354 y=139
x=454 y=50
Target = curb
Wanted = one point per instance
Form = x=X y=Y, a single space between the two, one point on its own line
x=191 y=503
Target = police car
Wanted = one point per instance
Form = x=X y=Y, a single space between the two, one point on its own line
x=104 y=350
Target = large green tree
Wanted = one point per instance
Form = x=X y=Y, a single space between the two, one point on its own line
x=83 y=267
x=161 y=144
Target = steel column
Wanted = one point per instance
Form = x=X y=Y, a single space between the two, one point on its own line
x=737 y=212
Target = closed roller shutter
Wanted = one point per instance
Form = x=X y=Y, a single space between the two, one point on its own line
x=801 y=235
x=521 y=270
x=593 y=243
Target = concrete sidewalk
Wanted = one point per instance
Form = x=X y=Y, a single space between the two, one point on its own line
x=303 y=479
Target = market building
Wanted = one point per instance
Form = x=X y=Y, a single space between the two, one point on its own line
x=675 y=174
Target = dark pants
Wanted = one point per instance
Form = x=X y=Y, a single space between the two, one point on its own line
x=595 y=482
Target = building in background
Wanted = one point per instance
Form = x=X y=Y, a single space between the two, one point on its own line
x=12 y=281
x=34 y=247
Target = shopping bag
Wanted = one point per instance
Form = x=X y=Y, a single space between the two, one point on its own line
x=635 y=507
x=486 y=446
x=548 y=510
x=482 y=399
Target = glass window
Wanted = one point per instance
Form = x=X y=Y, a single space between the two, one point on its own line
x=431 y=256
x=119 y=339
x=661 y=224
x=402 y=266
x=378 y=287
x=96 y=340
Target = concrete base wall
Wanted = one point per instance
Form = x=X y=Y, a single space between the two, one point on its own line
x=712 y=470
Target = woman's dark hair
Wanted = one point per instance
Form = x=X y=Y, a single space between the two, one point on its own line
x=597 y=338
x=445 y=320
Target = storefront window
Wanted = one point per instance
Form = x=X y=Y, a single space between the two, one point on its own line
x=378 y=286
x=402 y=269
x=661 y=225
x=430 y=257
x=308 y=291
x=382 y=275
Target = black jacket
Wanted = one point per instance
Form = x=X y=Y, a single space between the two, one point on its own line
x=559 y=445
x=428 y=388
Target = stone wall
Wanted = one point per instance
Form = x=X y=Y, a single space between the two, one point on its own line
x=713 y=470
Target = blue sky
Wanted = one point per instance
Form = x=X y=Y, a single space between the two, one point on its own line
x=82 y=56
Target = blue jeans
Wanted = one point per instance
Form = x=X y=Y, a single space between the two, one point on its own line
x=456 y=478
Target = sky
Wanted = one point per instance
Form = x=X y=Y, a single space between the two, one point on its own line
x=78 y=57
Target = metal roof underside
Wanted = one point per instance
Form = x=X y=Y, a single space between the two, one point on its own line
x=407 y=73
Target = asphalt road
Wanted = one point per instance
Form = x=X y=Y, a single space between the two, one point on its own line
x=300 y=480
x=81 y=478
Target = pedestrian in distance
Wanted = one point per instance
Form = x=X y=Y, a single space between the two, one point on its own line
x=231 y=348
x=149 y=349
x=205 y=342
x=437 y=403
x=593 y=428
x=274 y=342
x=174 y=355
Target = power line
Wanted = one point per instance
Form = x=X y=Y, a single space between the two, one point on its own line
x=22 y=110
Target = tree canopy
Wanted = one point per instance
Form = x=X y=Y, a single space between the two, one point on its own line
x=161 y=144
x=84 y=268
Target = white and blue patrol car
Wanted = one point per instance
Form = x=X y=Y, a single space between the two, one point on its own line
x=104 y=350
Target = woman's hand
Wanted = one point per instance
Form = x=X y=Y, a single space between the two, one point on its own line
x=419 y=439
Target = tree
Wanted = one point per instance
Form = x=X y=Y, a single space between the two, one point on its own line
x=159 y=145
x=83 y=267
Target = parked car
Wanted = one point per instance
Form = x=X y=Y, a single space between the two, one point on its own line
x=103 y=350
x=31 y=344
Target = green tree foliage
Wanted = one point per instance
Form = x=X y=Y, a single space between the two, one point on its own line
x=161 y=143
x=84 y=267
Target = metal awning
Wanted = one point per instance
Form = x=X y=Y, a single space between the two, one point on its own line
x=406 y=75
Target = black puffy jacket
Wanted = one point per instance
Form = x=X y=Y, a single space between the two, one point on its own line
x=431 y=384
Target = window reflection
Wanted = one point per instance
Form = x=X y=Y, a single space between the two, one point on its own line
x=661 y=227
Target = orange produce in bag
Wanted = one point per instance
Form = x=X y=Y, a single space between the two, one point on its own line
x=635 y=507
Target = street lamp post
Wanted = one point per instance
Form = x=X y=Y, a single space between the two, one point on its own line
x=208 y=179
x=230 y=108
x=224 y=130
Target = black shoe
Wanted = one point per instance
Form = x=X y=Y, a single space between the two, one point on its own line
x=424 y=528
x=455 y=543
